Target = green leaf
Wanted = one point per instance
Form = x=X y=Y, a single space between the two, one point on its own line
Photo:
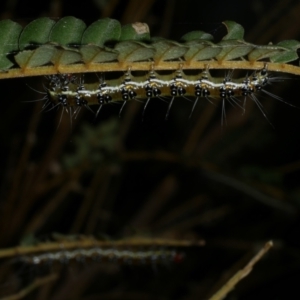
x=261 y=52
x=235 y=31
x=290 y=53
x=168 y=50
x=36 y=33
x=201 y=50
x=136 y=31
x=197 y=35
x=289 y=44
x=35 y=58
x=284 y=57
x=66 y=56
x=233 y=49
x=134 y=51
x=68 y=41
x=95 y=54
x=102 y=31
x=67 y=31
x=10 y=32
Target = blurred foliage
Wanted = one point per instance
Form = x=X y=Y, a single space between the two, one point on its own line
x=94 y=145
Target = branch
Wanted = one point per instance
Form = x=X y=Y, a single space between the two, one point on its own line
x=233 y=281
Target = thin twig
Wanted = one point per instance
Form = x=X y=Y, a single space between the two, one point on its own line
x=233 y=281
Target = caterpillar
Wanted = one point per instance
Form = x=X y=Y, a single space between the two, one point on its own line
x=124 y=256
x=70 y=91
x=78 y=250
x=51 y=48
x=130 y=249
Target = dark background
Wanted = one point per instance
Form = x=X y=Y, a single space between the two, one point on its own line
x=236 y=186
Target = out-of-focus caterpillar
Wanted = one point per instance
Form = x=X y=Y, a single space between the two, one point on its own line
x=133 y=250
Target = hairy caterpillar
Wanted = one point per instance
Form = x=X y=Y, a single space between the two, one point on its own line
x=126 y=256
x=70 y=251
x=131 y=248
x=46 y=47
x=71 y=92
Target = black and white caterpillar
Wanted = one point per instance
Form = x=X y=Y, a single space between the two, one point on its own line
x=70 y=91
